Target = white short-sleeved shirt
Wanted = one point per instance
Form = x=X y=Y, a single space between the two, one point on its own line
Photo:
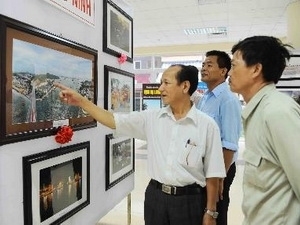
x=180 y=152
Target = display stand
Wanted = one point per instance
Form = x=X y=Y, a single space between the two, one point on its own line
x=129 y=209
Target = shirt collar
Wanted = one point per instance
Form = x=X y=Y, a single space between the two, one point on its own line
x=192 y=114
x=255 y=100
x=217 y=90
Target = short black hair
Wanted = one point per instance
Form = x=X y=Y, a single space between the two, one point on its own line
x=223 y=59
x=188 y=73
x=269 y=51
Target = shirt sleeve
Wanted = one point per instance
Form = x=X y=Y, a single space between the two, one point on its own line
x=230 y=124
x=131 y=124
x=213 y=161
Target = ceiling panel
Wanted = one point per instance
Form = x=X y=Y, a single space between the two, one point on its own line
x=161 y=22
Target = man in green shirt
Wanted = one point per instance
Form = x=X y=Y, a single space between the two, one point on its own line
x=271 y=123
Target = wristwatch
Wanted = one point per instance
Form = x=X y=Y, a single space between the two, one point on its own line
x=213 y=214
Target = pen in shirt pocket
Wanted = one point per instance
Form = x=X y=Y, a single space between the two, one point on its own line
x=189 y=146
x=188 y=142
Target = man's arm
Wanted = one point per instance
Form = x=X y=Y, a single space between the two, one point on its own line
x=212 y=193
x=228 y=157
x=72 y=97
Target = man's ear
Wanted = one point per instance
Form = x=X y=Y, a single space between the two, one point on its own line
x=224 y=71
x=186 y=86
x=257 y=70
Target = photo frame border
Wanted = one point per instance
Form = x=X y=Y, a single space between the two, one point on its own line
x=108 y=70
x=10 y=133
x=42 y=159
x=287 y=78
x=125 y=172
x=108 y=47
x=290 y=88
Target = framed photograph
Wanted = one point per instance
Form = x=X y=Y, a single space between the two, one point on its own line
x=32 y=60
x=292 y=70
x=56 y=184
x=118 y=89
x=117 y=31
x=119 y=159
x=293 y=92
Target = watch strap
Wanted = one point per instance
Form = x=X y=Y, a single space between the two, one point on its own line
x=213 y=214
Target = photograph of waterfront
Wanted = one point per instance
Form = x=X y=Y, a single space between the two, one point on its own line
x=60 y=187
x=34 y=60
x=56 y=184
x=35 y=69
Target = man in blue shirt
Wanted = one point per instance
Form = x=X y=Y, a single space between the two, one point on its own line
x=225 y=108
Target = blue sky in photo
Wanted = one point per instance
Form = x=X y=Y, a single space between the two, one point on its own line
x=36 y=59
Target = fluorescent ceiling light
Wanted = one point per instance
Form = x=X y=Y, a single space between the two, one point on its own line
x=210 y=31
x=205 y=2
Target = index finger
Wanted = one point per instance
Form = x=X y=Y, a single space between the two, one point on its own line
x=60 y=86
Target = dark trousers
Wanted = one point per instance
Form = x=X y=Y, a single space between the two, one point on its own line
x=222 y=206
x=163 y=209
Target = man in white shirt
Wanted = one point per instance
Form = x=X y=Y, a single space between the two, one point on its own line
x=185 y=158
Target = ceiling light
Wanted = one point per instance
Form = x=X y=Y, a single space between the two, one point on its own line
x=210 y=31
x=205 y=2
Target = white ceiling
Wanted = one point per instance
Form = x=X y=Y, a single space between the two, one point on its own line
x=162 y=22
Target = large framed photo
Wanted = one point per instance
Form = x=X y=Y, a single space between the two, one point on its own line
x=293 y=92
x=118 y=90
x=32 y=61
x=119 y=159
x=117 y=31
x=56 y=184
x=292 y=70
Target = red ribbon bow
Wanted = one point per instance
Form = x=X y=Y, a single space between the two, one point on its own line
x=64 y=134
x=122 y=58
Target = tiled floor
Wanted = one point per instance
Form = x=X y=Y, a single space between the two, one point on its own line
x=118 y=215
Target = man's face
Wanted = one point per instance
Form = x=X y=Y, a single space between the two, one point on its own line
x=169 y=89
x=211 y=73
x=240 y=79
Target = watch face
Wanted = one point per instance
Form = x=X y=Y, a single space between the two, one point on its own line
x=212 y=213
x=215 y=215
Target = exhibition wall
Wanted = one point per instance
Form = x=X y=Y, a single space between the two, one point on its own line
x=21 y=157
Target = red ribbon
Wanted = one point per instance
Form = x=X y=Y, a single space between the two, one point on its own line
x=122 y=58
x=64 y=134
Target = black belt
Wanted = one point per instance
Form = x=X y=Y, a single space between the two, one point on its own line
x=174 y=190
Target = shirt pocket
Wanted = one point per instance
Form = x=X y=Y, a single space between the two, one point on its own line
x=191 y=156
x=254 y=169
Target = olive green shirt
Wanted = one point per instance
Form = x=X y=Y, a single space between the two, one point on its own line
x=271 y=183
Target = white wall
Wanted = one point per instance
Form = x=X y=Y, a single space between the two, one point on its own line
x=47 y=17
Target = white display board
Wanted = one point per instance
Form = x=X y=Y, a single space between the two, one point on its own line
x=42 y=15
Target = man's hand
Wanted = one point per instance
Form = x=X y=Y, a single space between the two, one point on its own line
x=68 y=95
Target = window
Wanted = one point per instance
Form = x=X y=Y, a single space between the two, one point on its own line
x=137 y=65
